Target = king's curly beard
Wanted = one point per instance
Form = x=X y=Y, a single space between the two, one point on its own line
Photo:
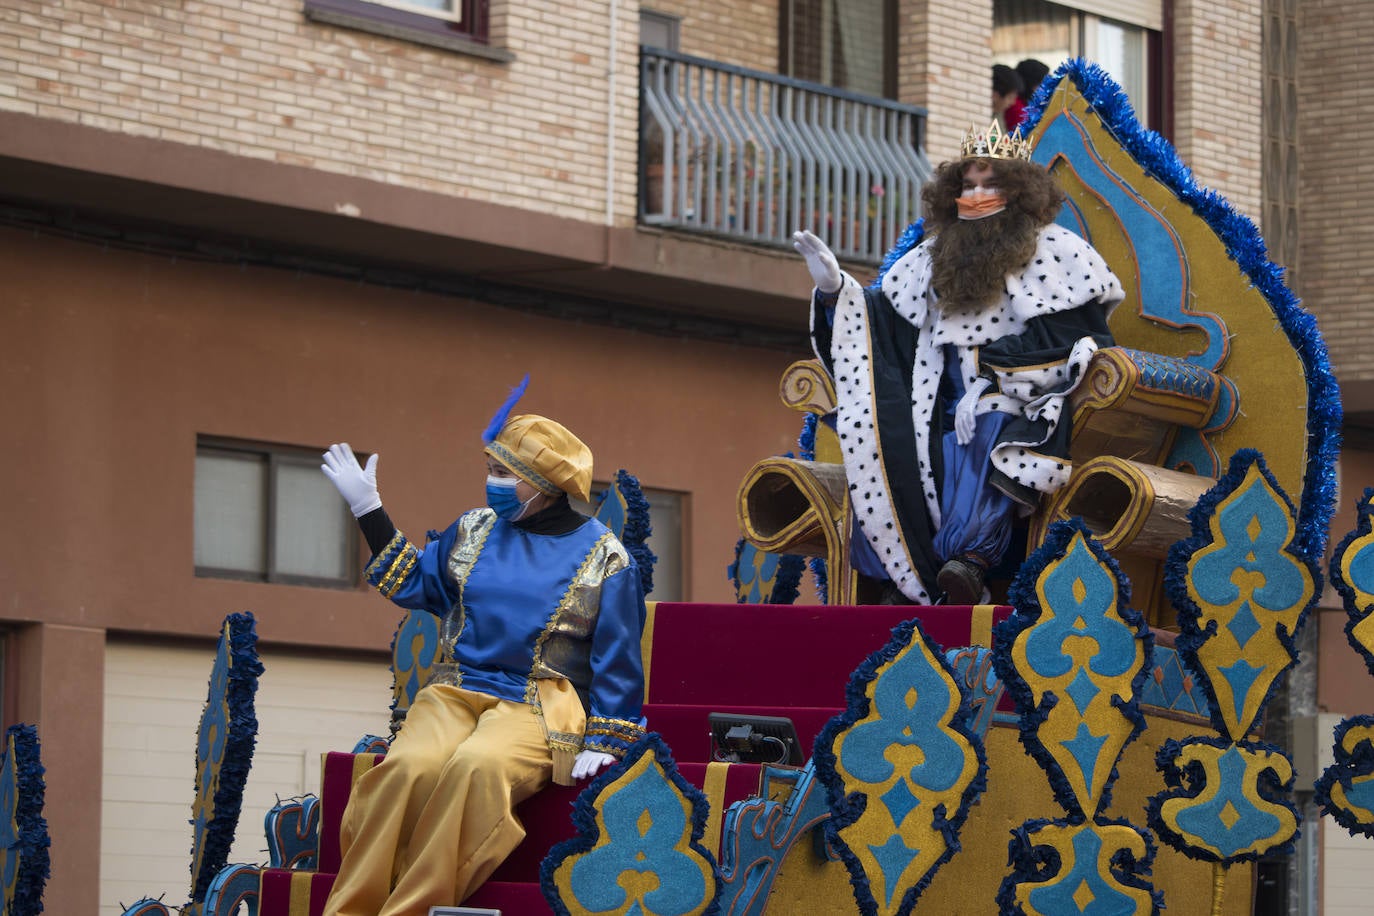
x=970 y=259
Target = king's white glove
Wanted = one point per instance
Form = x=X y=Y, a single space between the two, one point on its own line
x=965 y=420
x=357 y=485
x=589 y=763
x=820 y=261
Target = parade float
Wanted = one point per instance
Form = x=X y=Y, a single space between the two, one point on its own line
x=1094 y=741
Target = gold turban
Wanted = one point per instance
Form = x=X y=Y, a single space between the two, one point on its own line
x=545 y=455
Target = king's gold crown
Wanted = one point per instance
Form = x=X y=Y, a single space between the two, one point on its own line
x=994 y=143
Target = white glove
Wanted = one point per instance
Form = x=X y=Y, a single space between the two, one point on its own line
x=820 y=260
x=589 y=763
x=965 y=421
x=358 y=486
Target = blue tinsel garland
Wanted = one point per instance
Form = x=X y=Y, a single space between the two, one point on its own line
x=33 y=841
x=238 y=752
x=1246 y=247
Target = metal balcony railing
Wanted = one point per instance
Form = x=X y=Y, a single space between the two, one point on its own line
x=754 y=156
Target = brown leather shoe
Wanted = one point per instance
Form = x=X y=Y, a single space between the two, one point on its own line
x=961 y=580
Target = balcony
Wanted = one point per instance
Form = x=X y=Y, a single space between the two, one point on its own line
x=752 y=156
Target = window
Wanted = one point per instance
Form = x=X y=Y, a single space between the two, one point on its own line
x=847 y=44
x=457 y=25
x=1122 y=37
x=666 y=508
x=266 y=513
x=659 y=30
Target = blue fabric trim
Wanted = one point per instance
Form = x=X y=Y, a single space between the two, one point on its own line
x=845 y=810
x=32 y=841
x=1349 y=598
x=498 y=419
x=1191 y=638
x=1246 y=247
x=1022 y=596
x=238 y=751
x=584 y=817
x=1190 y=781
x=1347 y=767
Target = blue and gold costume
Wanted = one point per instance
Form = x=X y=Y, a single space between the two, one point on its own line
x=517 y=607
x=540 y=670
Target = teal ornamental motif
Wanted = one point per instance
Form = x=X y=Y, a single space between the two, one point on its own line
x=638 y=847
x=901 y=767
x=1345 y=790
x=1243 y=586
x=1074 y=658
x=414 y=650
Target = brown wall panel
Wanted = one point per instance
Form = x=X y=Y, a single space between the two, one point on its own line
x=119 y=359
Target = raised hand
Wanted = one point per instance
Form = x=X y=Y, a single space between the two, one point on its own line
x=356 y=484
x=820 y=260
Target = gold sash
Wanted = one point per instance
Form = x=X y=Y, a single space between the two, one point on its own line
x=564 y=721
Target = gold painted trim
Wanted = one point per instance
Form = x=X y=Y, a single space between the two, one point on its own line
x=980 y=625
x=300 y=893
x=714 y=789
x=646 y=643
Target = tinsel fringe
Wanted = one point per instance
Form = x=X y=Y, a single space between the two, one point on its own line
x=1348 y=766
x=33 y=840
x=637 y=527
x=238 y=751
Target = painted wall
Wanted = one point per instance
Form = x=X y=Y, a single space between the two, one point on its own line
x=118 y=360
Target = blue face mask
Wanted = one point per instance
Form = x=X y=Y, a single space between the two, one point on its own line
x=502 y=499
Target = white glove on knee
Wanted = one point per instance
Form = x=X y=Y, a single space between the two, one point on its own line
x=357 y=485
x=589 y=763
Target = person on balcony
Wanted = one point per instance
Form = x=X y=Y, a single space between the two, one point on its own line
x=541 y=610
x=952 y=372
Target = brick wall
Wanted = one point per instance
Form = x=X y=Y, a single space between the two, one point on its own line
x=1336 y=181
x=1218 y=81
x=256 y=78
x=944 y=63
x=743 y=33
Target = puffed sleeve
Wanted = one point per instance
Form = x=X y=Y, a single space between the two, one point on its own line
x=413 y=577
x=617 y=690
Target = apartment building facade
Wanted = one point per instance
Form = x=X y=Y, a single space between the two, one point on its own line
x=235 y=231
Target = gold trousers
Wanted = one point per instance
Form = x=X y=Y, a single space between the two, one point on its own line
x=433 y=820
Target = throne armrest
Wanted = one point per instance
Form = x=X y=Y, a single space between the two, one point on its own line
x=1130 y=403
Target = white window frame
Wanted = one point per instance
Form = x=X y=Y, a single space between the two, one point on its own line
x=452 y=15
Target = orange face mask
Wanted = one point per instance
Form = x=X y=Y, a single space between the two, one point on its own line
x=980 y=205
